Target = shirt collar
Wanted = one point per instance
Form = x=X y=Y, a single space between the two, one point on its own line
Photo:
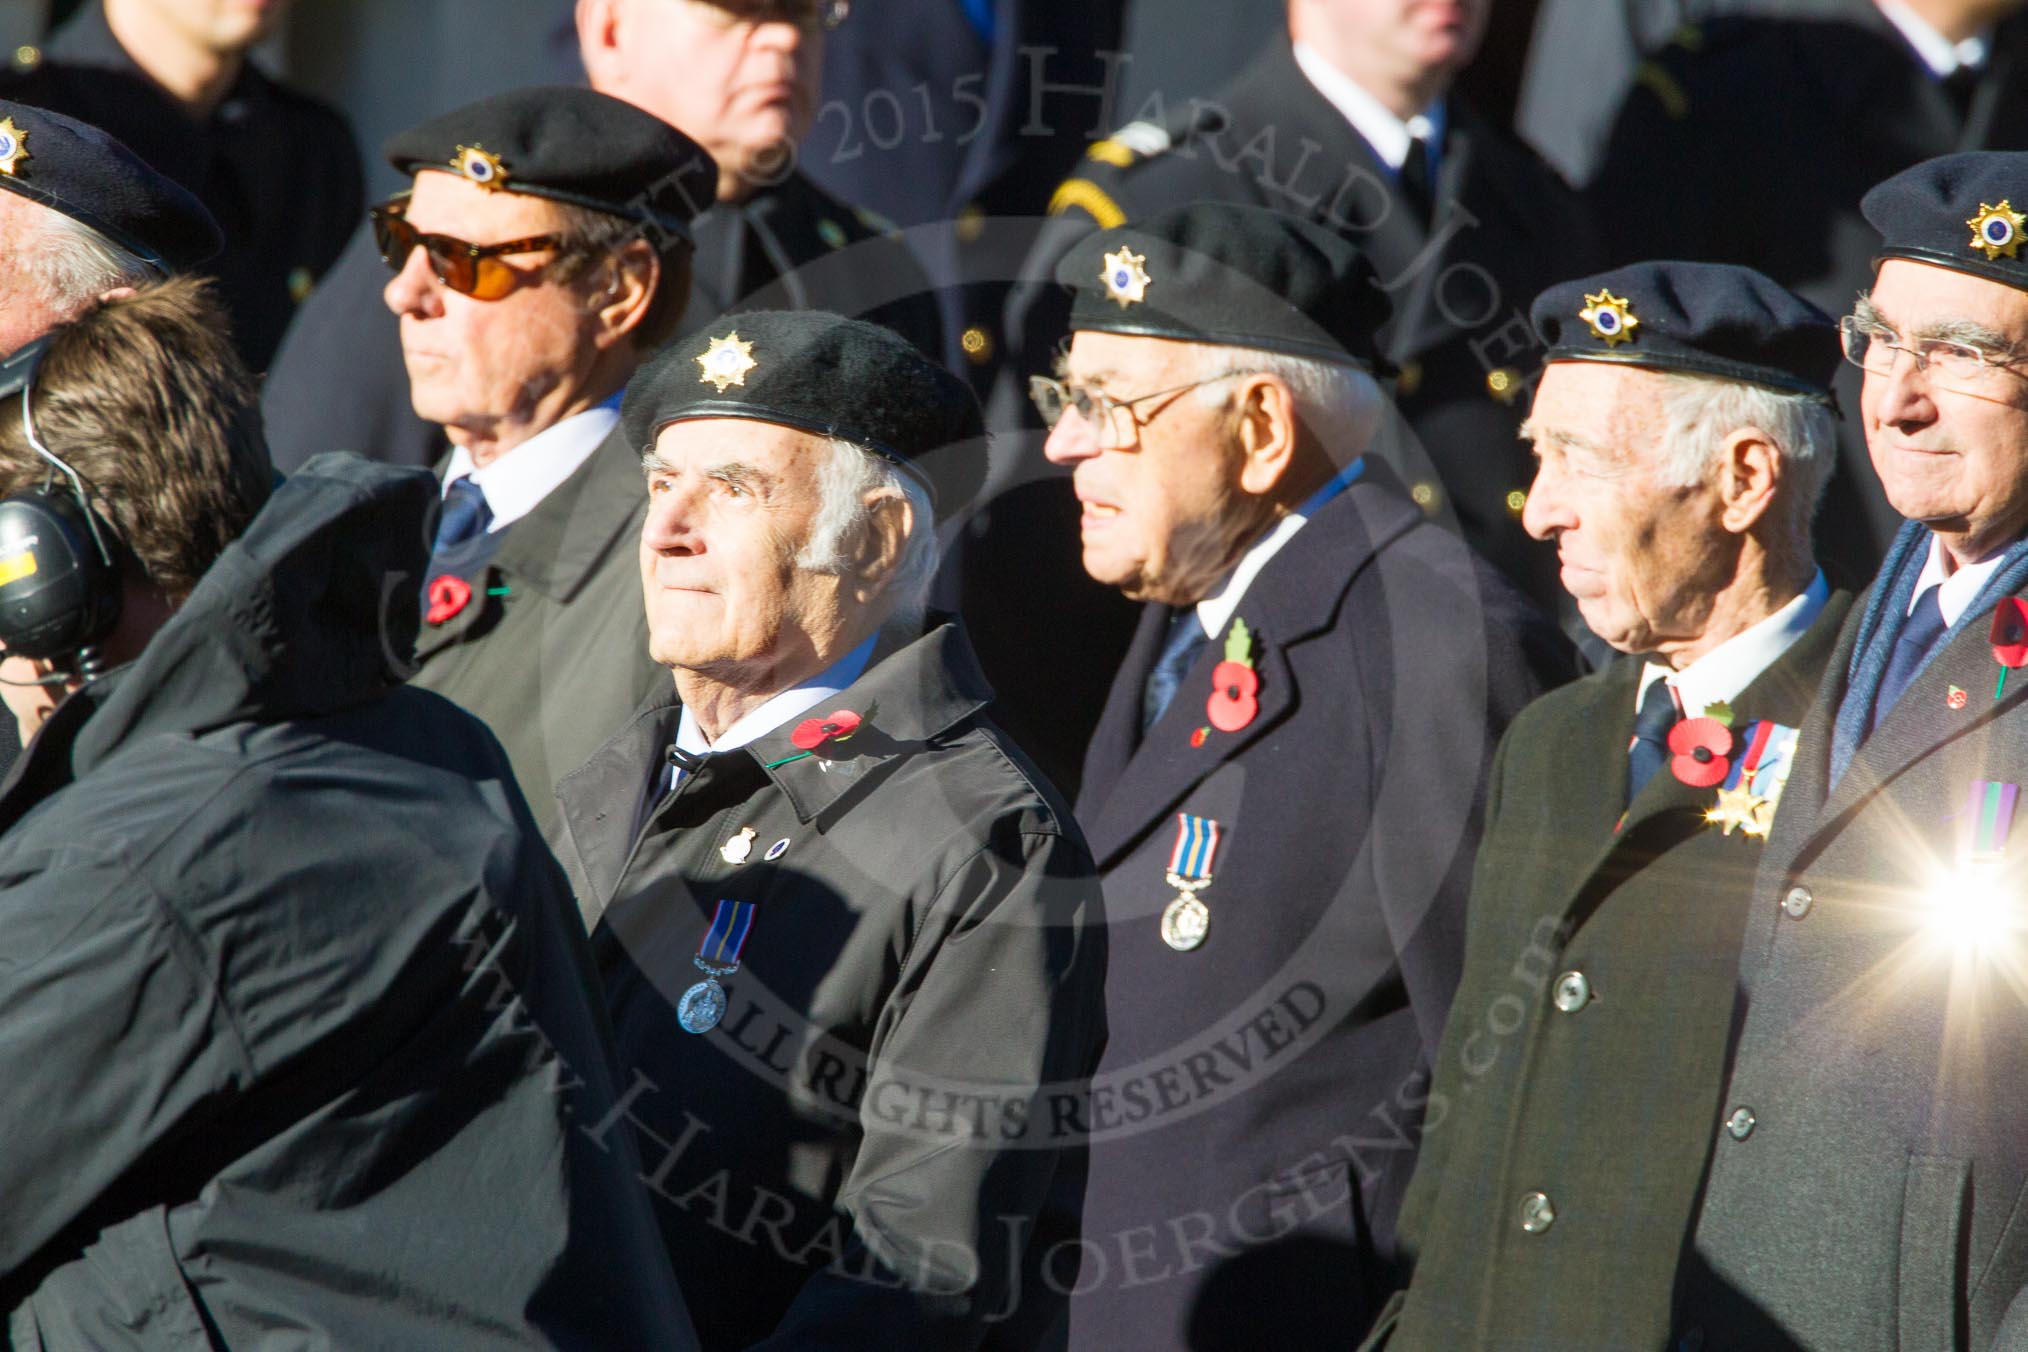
x=1215 y=611
x=1719 y=675
x=1958 y=589
x=517 y=482
x=1387 y=134
x=826 y=684
x=1939 y=53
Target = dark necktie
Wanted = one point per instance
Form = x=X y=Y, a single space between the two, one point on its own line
x=1919 y=638
x=1179 y=650
x=1650 y=747
x=464 y=518
x=1959 y=86
x=1415 y=181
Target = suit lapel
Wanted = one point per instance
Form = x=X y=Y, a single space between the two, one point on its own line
x=1283 y=607
x=560 y=544
x=1119 y=729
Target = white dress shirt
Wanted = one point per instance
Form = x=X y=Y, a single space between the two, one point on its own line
x=1939 y=53
x=1387 y=134
x=1719 y=675
x=1960 y=588
x=517 y=481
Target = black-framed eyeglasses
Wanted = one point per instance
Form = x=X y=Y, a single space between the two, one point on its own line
x=809 y=15
x=474 y=270
x=1964 y=367
x=1114 y=421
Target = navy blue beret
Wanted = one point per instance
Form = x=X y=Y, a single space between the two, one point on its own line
x=74 y=168
x=1222 y=273
x=571 y=145
x=825 y=374
x=1712 y=319
x=1957 y=211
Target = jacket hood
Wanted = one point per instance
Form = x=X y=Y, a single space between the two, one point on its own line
x=314 y=608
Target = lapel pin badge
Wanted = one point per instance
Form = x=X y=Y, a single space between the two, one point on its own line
x=736 y=850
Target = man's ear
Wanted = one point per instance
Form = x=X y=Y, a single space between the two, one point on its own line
x=629 y=278
x=598 y=40
x=1749 y=473
x=1268 y=432
x=890 y=521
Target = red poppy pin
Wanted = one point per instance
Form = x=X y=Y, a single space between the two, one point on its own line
x=448 y=595
x=812 y=733
x=1700 y=748
x=2010 y=638
x=1234 y=683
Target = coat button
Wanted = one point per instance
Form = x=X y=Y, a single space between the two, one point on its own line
x=1572 y=991
x=978 y=345
x=1798 y=902
x=1740 y=1124
x=1537 y=1214
x=1503 y=383
x=1408 y=379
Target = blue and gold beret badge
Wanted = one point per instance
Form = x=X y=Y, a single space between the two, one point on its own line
x=726 y=362
x=481 y=166
x=1126 y=281
x=1611 y=318
x=1997 y=230
x=13 y=146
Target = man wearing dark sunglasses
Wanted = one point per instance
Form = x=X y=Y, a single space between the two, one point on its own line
x=740 y=77
x=542 y=250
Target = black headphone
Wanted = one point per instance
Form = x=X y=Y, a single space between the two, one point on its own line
x=60 y=588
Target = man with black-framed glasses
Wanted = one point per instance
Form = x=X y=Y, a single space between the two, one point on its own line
x=1871 y=1151
x=541 y=252
x=1285 y=790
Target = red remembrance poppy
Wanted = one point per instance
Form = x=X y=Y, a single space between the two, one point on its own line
x=2010 y=632
x=448 y=596
x=1700 y=747
x=1232 y=704
x=812 y=733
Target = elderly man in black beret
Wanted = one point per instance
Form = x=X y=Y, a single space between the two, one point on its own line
x=542 y=253
x=1683 y=431
x=1870 y=1154
x=1284 y=793
x=850 y=938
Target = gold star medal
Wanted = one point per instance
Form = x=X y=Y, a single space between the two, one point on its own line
x=1126 y=280
x=1742 y=808
x=1610 y=317
x=13 y=146
x=1997 y=230
x=481 y=166
x=726 y=362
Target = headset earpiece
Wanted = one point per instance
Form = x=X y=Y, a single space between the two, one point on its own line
x=58 y=593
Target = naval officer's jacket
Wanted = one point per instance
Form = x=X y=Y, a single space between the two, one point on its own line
x=1580 y=1076
x=1868 y=1186
x=861 y=1152
x=549 y=644
x=1256 y=1115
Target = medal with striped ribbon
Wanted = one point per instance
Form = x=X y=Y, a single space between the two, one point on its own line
x=1987 y=821
x=1186 y=920
x=703 y=1005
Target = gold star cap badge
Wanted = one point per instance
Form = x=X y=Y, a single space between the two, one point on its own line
x=1125 y=279
x=480 y=166
x=726 y=362
x=1997 y=230
x=1611 y=318
x=13 y=146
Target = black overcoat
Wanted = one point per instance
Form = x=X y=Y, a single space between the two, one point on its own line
x=1256 y=1114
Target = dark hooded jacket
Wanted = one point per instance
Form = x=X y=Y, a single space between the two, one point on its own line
x=295 y=1022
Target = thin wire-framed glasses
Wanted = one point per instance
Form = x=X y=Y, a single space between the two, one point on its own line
x=1963 y=367
x=1115 y=422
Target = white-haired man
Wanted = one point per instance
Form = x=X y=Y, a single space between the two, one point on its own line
x=1683 y=430
x=1284 y=792
x=850 y=939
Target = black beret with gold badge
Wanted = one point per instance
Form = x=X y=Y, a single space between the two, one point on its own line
x=1227 y=274
x=74 y=168
x=824 y=374
x=570 y=145
x=1967 y=211
x=1714 y=319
